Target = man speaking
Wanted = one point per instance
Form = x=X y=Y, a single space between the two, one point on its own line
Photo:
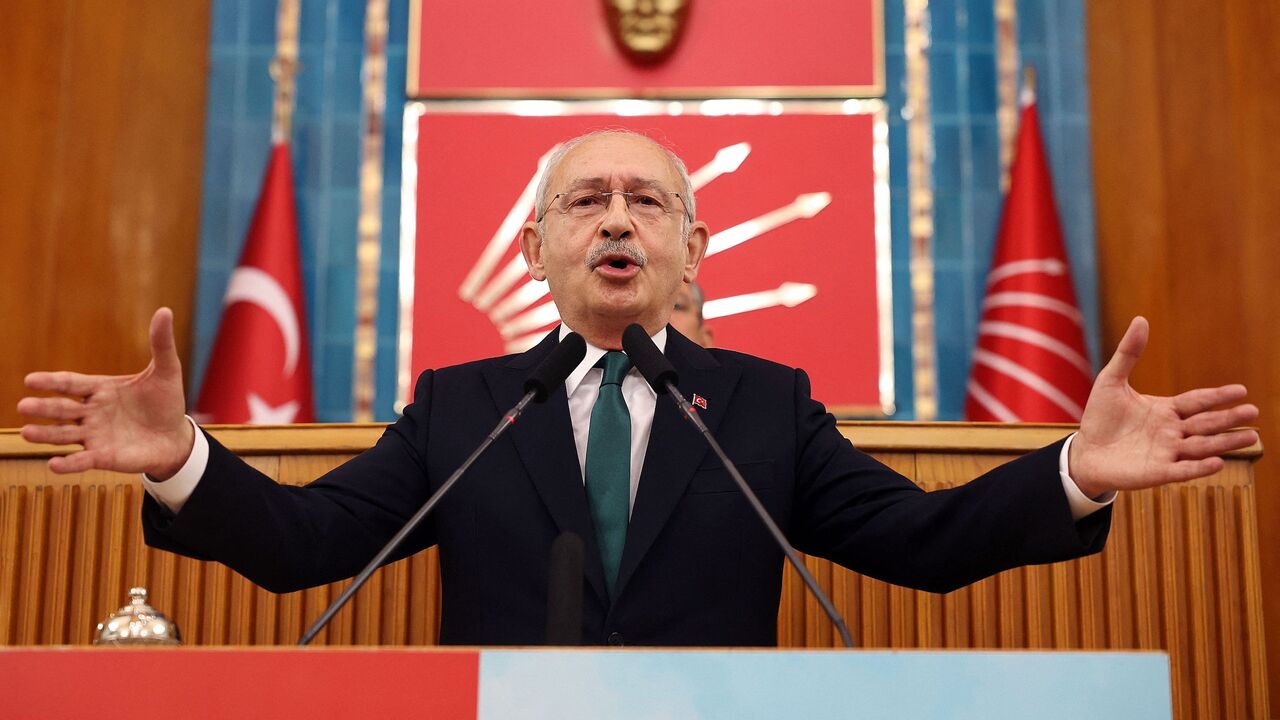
x=674 y=555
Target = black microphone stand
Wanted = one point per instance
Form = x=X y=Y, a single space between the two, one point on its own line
x=563 y=359
x=507 y=421
x=657 y=370
x=827 y=606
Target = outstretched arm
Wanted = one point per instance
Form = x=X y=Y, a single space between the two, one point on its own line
x=126 y=423
x=1129 y=441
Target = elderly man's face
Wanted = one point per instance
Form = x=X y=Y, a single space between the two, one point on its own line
x=616 y=268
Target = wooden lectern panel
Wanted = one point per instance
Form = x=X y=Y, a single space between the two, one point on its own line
x=1180 y=572
x=70 y=548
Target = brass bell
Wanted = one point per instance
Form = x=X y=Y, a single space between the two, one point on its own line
x=137 y=624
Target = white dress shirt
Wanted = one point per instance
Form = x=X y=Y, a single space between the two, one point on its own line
x=582 y=388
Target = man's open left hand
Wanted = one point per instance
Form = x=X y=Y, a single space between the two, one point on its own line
x=1129 y=441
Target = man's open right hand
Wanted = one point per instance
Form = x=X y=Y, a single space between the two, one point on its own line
x=126 y=423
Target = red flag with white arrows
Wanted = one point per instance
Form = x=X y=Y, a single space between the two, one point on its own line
x=1030 y=363
x=260 y=369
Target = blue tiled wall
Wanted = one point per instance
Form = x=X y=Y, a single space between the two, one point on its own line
x=326 y=141
x=966 y=168
x=326 y=135
x=1051 y=39
x=895 y=72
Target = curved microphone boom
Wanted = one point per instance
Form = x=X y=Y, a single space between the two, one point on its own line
x=541 y=383
x=657 y=370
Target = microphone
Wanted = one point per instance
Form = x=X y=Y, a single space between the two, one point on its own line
x=649 y=360
x=657 y=370
x=564 y=591
x=551 y=372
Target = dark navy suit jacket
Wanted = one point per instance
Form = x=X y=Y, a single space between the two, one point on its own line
x=697 y=569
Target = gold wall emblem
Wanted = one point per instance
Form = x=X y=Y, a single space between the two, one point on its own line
x=647 y=30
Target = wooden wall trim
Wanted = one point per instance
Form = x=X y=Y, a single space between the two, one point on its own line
x=871 y=436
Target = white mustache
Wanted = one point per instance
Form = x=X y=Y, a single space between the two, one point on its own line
x=616 y=247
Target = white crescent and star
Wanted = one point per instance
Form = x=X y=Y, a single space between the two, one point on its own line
x=256 y=287
x=262 y=413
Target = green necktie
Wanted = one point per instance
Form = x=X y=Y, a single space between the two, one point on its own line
x=609 y=464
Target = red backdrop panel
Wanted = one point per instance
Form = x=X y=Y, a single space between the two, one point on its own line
x=473 y=167
x=562 y=48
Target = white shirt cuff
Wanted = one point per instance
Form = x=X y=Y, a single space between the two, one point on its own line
x=1081 y=505
x=173 y=493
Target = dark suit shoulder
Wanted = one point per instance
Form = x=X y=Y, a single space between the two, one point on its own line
x=474 y=369
x=469 y=374
x=749 y=362
x=471 y=367
x=684 y=350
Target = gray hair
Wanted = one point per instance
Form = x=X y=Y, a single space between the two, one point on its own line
x=542 y=198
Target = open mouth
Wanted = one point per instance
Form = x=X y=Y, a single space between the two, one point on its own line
x=617 y=265
x=616 y=260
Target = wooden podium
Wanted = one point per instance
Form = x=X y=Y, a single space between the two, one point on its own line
x=1180 y=572
x=466 y=684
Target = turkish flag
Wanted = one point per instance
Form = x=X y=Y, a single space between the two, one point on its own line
x=1030 y=363
x=260 y=370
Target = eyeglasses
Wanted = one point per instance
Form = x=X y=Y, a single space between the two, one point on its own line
x=590 y=204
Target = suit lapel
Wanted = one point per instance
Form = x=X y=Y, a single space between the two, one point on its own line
x=675 y=447
x=543 y=437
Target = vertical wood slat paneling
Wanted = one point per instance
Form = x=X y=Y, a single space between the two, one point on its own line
x=985 y=599
x=212 y=605
x=115 y=530
x=929 y=620
x=1092 y=607
x=954 y=607
x=69 y=553
x=1146 y=579
x=265 y=619
x=9 y=531
x=1181 y=573
x=1045 y=587
x=1120 y=582
x=928 y=608
x=1011 y=611
x=1195 y=548
x=59 y=567
x=85 y=576
x=240 y=613
x=31 y=578
x=1228 y=609
x=1173 y=579
x=875 y=613
x=790 y=617
x=1253 y=614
